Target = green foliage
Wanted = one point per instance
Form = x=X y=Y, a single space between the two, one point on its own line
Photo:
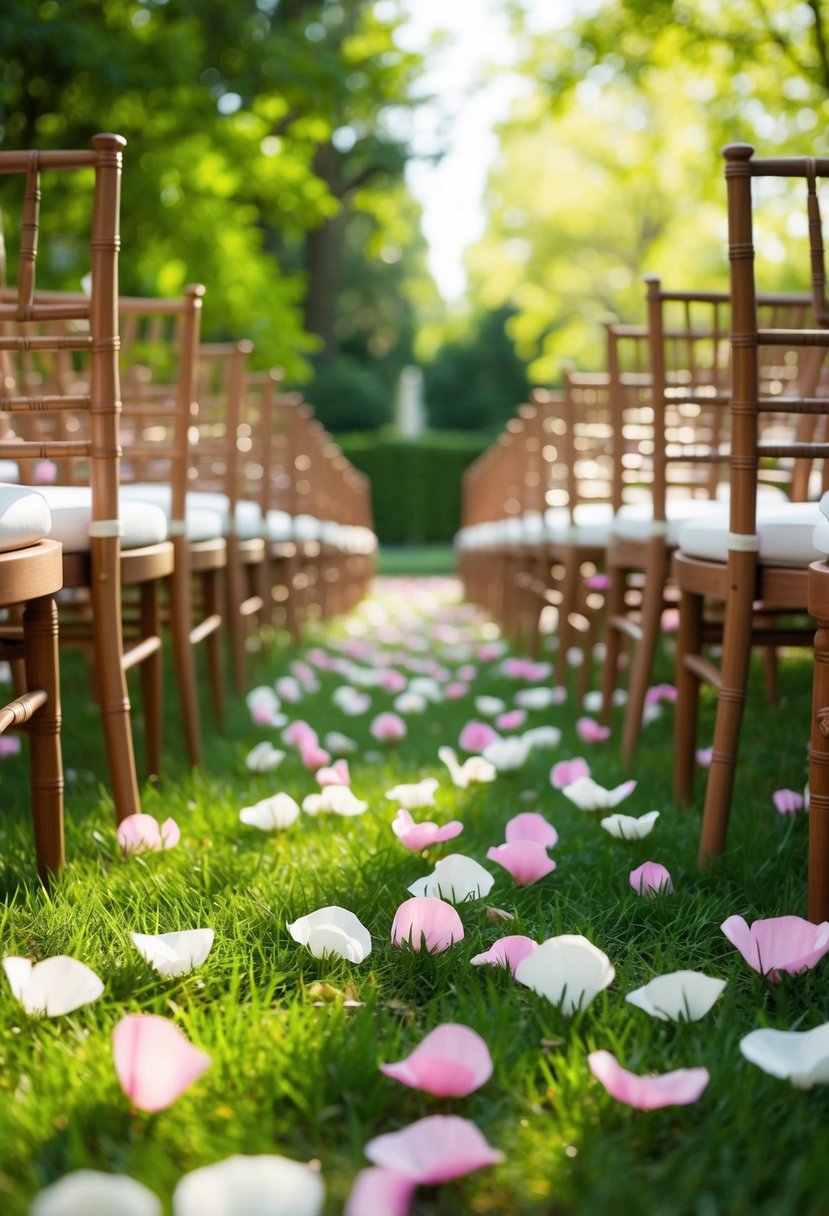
x=415 y=483
x=476 y=381
x=351 y=395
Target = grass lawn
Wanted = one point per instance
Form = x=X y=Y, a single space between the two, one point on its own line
x=416 y=559
x=295 y=1042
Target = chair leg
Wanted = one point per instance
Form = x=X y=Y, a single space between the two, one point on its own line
x=184 y=663
x=152 y=688
x=689 y=642
x=653 y=598
x=111 y=679
x=213 y=642
x=614 y=608
x=819 y=751
x=235 y=589
x=736 y=655
x=40 y=639
x=567 y=605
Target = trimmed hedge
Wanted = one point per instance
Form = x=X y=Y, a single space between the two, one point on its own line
x=415 y=483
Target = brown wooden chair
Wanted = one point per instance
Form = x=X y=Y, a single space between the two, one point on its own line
x=755 y=564
x=31 y=572
x=104 y=543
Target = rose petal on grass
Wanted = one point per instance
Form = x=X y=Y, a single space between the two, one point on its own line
x=455 y=878
x=524 y=860
x=678 y=1088
x=154 y=1060
x=263 y=758
x=415 y=795
x=271 y=814
x=334 y=800
x=786 y=802
x=799 y=1056
x=52 y=987
x=332 y=930
x=388 y=728
x=92 y=1193
x=144 y=834
x=507 y=755
x=426 y=923
x=266 y=1185
x=588 y=795
x=336 y=774
x=567 y=772
x=529 y=825
x=778 y=943
x=452 y=1061
x=473 y=770
x=568 y=971
x=506 y=952
x=590 y=731
x=475 y=736
x=378 y=1191
x=629 y=827
x=651 y=879
x=173 y=954
x=418 y=836
x=678 y=996
x=433 y=1150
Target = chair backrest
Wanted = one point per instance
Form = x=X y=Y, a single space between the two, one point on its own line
x=65 y=332
x=221 y=434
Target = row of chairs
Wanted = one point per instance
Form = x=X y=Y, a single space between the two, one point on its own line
x=687 y=473
x=149 y=479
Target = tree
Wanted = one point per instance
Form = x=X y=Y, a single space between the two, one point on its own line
x=476 y=382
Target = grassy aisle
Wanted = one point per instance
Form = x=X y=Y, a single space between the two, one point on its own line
x=295 y=1042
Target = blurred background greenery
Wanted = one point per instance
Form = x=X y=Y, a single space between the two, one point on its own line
x=268 y=144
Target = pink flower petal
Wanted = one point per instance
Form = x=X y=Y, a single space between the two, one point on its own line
x=678 y=1088
x=597 y=582
x=779 y=943
x=567 y=771
x=590 y=731
x=506 y=952
x=393 y=681
x=660 y=692
x=786 y=802
x=388 y=728
x=155 y=1062
x=378 y=1191
x=525 y=860
x=704 y=756
x=475 y=736
x=513 y=719
x=651 y=879
x=9 y=745
x=455 y=691
x=299 y=734
x=144 y=834
x=313 y=756
x=417 y=836
x=451 y=1062
x=337 y=774
x=426 y=922
x=433 y=1150
x=529 y=825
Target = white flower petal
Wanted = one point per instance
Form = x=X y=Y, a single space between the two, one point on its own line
x=568 y=971
x=628 y=827
x=507 y=754
x=542 y=736
x=338 y=744
x=271 y=814
x=455 y=878
x=678 y=996
x=588 y=795
x=799 y=1056
x=250 y=1186
x=54 y=986
x=332 y=930
x=490 y=707
x=91 y=1193
x=173 y=954
x=334 y=800
x=414 y=796
x=264 y=757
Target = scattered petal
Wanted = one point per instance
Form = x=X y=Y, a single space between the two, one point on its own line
x=506 y=952
x=588 y=795
x=332 y=930
x=426 y=923
x=786 y=802
x=474 y=770
x=529 y=825
x=173 y=954
x=651 y=879
x=412 y=797
x=92 y=1193
x=144 y=834
x=155 y=1062
x=489 y=706
x=628 y=827
x=419 y=836
x=568 y=970
x=52 y=987
x=779 y=943
x=679 y=1088
x=542 y=736
x=334 y=800
x=507 y=755
x=336 y=774
x=380 y=1191
x=513 y=719
x=567 y=772
x=339 y=744
x=271 y=814
x=475 y=736
x=591 y=732
x=799 y=1056
x=678 y=996
x=388 y=728
x=451 y=1062
x=704 y=756
x=456 y=878
x=433 y=1150
x=525 y=860
x=266 y=1185
x=264 y=758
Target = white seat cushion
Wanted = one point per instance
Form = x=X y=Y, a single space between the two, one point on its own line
x=71 y=510
x=306 y=527
x=25 y=518
x=634 y=521
x=591 y=525
x=217 y=506
x=9 y=472
x=820 y=539
x=785 y=536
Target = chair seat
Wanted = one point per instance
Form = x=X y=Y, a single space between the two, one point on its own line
x=635 y=521
x=591 y=526
x=785 y=536
x=25 y=518
x=206 y=509
x=71 y=509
